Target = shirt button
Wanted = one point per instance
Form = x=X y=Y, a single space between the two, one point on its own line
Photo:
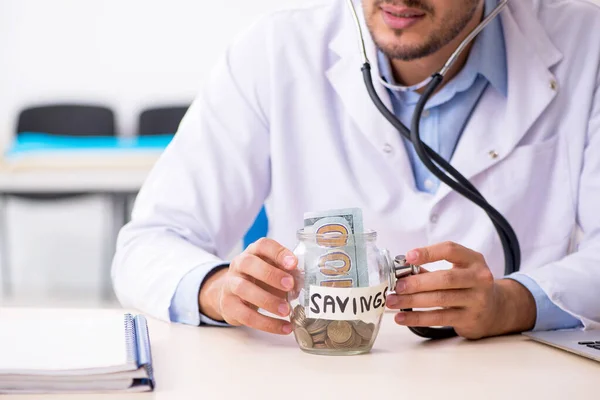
x=429 y=184
x=434 y=218
x=426 y=114
x=388 y=149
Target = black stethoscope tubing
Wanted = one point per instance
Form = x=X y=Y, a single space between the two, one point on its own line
x=444 y=171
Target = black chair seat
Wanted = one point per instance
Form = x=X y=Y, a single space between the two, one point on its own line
x=159 y=121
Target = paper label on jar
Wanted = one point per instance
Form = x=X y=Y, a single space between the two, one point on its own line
x=346 y=304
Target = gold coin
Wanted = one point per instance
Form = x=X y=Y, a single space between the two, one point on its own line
x=343 y=346
x=350 y=343
x=364 y=330
x=329 y=344
x=336 y=346
x=317 y=326
x=299 y=316
x=357 y=341
x=339 y=331
x=320 y=345
x=303 y=337
x=365 y=343
x=320 y=337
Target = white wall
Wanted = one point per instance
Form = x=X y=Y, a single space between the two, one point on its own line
x=123 y=53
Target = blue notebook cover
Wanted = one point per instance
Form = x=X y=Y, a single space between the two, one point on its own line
x=138 y=347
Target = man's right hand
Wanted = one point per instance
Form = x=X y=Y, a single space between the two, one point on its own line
x=255 y=279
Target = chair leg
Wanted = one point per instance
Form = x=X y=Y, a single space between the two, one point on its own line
x=7 y=289
x=118 y=203
x=127 y=207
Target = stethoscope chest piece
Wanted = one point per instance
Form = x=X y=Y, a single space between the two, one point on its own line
x=402 y=269
x=399 y=268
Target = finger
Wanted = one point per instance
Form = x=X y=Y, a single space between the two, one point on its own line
x=447 y=251
x=251 y=293
x=257 y=268
x=440 y=298
x=276 y=292
x=274 y=252
x=253 y=319
x=448 y=317
x=438 y=280
x=400 y=285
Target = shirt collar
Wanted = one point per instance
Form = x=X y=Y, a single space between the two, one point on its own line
x=491 y=51
x=487 y=58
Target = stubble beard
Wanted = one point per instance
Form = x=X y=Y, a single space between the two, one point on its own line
x=448 y=30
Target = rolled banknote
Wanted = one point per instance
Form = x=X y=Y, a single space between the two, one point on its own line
x=338 y=258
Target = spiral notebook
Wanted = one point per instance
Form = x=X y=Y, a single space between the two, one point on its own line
x=47 y=354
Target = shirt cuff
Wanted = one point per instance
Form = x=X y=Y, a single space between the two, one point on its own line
x=549 y=315
x=184 y=307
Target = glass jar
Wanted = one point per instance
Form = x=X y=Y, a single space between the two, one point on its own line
x=341 y=284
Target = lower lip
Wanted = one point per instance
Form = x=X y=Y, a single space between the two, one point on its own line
x=395 y=22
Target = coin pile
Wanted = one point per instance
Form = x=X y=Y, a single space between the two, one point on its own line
x=323 y=334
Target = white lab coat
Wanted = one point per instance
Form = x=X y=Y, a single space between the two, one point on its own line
x=285 y=119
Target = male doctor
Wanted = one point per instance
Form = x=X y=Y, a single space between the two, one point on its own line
x=285 y=120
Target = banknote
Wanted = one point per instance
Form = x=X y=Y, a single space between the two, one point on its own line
x=352 y=216
x=336 y=260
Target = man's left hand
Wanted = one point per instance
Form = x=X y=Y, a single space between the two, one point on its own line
x=471 y=301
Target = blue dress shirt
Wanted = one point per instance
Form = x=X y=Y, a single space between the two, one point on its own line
x=445 y=116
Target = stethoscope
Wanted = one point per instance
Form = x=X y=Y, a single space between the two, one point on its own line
x=443 y=170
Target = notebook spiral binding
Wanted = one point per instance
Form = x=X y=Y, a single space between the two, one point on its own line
x=138 y=346
x=130 y=338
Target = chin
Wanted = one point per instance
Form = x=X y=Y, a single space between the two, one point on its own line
x=391 y=43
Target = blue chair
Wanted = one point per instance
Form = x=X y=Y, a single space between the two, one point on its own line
x=259 y=229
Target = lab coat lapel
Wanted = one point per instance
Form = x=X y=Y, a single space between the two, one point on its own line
x=498 y=124
x=346 y=79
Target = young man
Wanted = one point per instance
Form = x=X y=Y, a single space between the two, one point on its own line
x=285 y=119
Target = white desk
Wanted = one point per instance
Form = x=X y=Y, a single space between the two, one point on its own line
x=86 y=171
x=114 y=180
x=116 y=177
x=223 y=363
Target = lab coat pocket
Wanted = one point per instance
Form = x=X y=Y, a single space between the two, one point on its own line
x=525 y=164
x=530 y=187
